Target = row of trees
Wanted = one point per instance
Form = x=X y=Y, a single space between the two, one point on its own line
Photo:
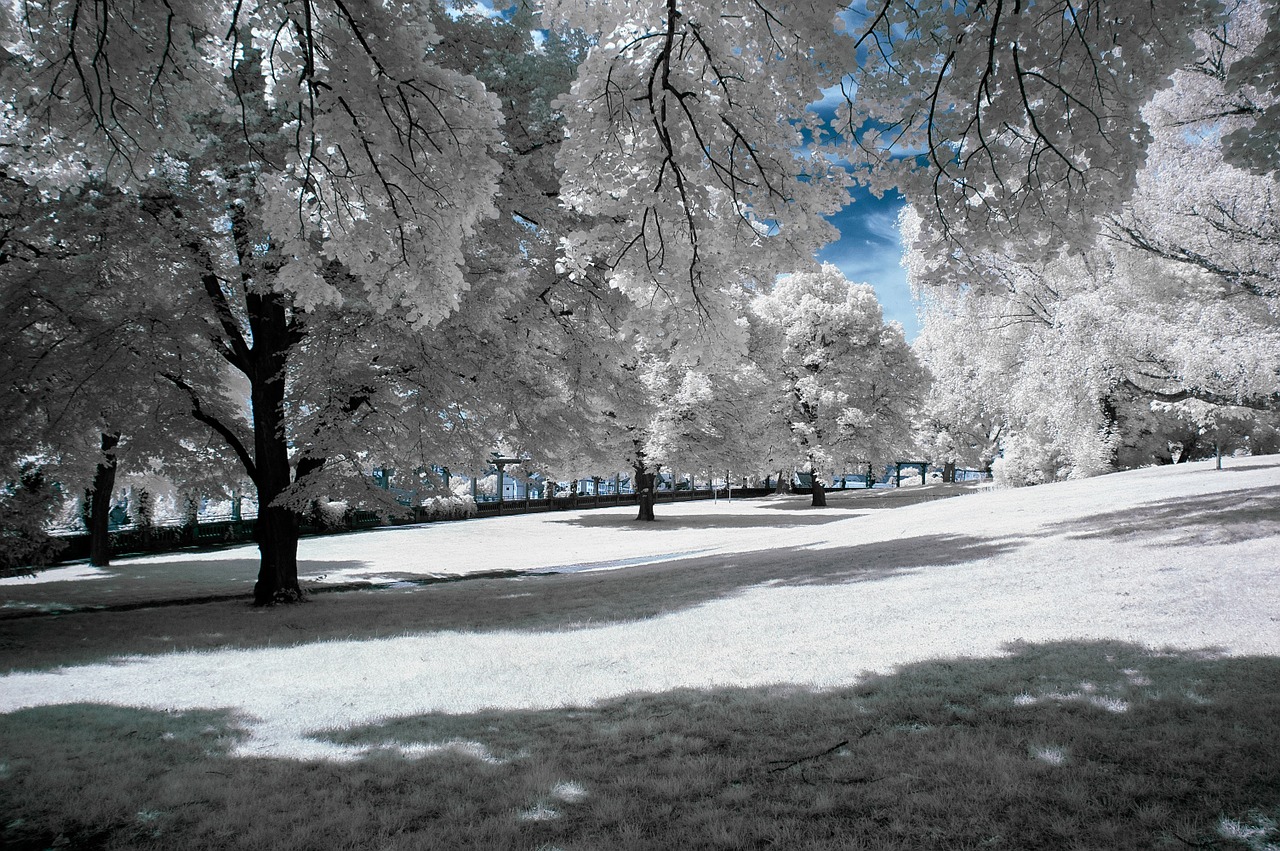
x=1154 y=338
x=295 y=238
x=361 y=246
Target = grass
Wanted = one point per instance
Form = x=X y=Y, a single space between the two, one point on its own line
x=1069 y=745
x=532 y=603
x=1057 y=744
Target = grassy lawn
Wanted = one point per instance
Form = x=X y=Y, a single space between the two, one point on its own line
x=1093 y=745
x=987 y=673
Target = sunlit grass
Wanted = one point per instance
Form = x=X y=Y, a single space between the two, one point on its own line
x=595 y=710
x=939 y=755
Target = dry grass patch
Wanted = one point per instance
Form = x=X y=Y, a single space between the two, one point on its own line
x=1012 y=752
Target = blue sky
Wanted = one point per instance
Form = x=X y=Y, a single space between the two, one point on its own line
x=869 y=251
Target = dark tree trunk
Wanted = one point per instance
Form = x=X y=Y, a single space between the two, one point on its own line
x=277 y=527
x=819 y=492
x=949 y=471
x=779 y=487
x=104 y=484
x=262 y=356
x=646 y=481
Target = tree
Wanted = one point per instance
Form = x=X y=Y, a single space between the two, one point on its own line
x=323 y=171
x=1102 y=360
x=707 y=419
x=1194 y=205
x=26 y=506
x=846 y=385
x=84 y=294
x=1158 y=330
x=1013 y=124
x=683 y=126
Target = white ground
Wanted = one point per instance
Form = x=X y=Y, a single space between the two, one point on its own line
x=1181 y=557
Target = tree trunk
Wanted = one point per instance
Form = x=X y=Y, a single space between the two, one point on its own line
x=778 y=488
x=277 y=527
x=646 y=481
x=104 y=484
x=949 y=471
x=819 y=492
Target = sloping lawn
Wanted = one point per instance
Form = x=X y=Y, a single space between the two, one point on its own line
x=1088 y=665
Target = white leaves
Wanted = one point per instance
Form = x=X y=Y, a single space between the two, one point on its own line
x=846 y=383
x=362 y=146
x=1027 y=125
x=681 y=133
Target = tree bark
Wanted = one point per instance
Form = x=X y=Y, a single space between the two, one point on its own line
x=277 y=527
x=819 y=492
x=99 y=515
x=779 y=487
x=949 y=471
x=646 y=481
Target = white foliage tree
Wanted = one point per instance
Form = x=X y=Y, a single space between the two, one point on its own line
x=1017 y=119
x=683 y=130
x=845 y=384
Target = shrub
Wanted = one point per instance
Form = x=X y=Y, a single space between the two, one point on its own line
x=454 y=507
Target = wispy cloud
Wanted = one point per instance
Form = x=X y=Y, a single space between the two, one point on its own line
x=869 y=250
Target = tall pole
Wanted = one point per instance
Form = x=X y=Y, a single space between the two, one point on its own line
x=499 y=465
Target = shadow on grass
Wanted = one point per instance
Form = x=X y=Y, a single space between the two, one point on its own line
x=153 y=583
x=875 y=498
x=1065 y=745
x=628 y=523
x=94 y=776
x=1218 y=518
x=1233 y=467
x=535 y=602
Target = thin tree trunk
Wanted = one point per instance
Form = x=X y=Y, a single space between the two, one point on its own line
x=99 y=515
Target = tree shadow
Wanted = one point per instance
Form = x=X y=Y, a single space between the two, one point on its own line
x=859 y=499
x=1233 y=467
x=628 y=523
x=151 y=583
x=565 y=600
x=1218 y=518
x=526 y=602
x=88 y=775
x=1062 y=745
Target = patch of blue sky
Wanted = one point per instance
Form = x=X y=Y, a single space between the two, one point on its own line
x=869 y=249
x=481 y=8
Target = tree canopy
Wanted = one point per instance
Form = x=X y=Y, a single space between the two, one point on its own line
x=323 y=235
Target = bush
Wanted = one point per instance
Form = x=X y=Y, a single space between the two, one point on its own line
x=331 y=515
x=455 y=507
x=26 y=507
